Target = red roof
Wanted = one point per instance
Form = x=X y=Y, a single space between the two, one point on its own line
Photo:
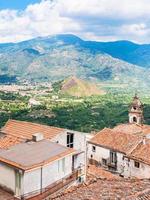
x=8 y=141
x=117 y=141
x=106 y=189
x=141 y=152
x=25 y=130
x=133 y=129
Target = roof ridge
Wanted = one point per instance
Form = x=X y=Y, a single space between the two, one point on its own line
x=25 y=130
x=33 y=123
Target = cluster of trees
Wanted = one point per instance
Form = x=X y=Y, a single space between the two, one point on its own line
x=90 y=114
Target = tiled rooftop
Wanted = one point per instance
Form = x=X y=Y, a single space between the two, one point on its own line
x=99 y=172
x=133 y=129
x=107 y=187
x=142 y=152
x=116 y=140
x=25 y=130
x=8 y=141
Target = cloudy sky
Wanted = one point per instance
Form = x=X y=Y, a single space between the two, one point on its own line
x=101 y=20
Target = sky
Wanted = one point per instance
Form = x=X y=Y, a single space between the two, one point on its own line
x=100 y=20
x=16 y=4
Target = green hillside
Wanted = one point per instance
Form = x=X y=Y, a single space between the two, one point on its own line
x=58 y=57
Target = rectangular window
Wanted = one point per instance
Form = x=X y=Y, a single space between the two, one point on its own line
x=59 y=161
x=61 y=165
x=94 y=148
x=136 y=164
x=70 y=140
x=113 y=157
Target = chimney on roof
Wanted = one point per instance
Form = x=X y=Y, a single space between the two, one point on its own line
x=37 y=137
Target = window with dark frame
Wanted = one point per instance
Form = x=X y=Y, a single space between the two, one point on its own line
x=94 y=148
x=70 y=140
x=136 y=164
x=113 y=157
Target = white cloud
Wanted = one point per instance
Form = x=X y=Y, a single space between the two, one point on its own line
x=37 y=20
x=135 y=29
x=90 y=19
x=113 y=8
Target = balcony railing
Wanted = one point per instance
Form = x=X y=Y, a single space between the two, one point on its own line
x=46 y=192
x=112 y=164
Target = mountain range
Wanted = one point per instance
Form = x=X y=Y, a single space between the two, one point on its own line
x=56 y=57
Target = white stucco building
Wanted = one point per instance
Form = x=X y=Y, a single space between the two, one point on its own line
x=28 y=168
x=125 y=154
x=125 y=149
x=16 y=133
x=137 y=163
x=108 y=148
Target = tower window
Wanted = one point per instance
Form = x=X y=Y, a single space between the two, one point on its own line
x=134 y=119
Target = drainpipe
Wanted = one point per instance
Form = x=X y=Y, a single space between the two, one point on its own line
x=41 y=179
x=22 y=186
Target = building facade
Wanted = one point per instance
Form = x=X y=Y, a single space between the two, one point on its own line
x=124 y=149
x=16 y=133
x=28 y=168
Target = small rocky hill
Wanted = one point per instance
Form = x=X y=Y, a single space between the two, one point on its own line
x=77 y=87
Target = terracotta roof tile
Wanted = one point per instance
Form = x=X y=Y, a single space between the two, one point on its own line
x=100 y=172
x=141 y=152
x=8 y=141
x=116 y=140
x=25 y=130
x=103 y=189
x=133 y=129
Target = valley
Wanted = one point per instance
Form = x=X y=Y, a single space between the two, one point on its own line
x=86 y=113
x=64 y=81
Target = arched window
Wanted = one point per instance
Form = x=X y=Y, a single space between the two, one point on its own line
x=134 y=119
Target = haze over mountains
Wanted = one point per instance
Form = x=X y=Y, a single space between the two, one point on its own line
x=57 y=57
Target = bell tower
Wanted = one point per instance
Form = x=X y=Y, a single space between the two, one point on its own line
x=136 y=111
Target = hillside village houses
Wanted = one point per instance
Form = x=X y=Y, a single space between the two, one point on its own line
x=37 y=159
x=125 y=149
